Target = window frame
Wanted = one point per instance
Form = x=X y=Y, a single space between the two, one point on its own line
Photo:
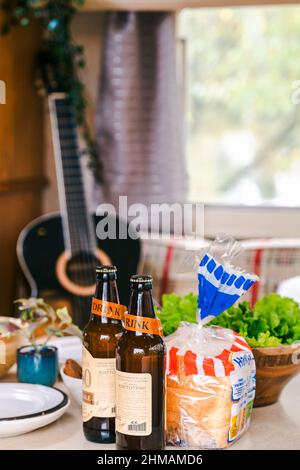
x=245 y=221
x=252 y=221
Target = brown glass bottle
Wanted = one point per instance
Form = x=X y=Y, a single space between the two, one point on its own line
x=100 y=338
x=140 y=376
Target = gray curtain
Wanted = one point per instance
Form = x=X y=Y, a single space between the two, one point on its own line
x=139 y=117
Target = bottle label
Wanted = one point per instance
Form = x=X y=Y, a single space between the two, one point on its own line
x=99 y=387
x=142 y=324
x=108 y=309
x=134 y=403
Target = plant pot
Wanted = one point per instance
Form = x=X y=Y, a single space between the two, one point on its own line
x=275 y=367
x=37 y=367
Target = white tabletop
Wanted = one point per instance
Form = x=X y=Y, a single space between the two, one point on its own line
x=272 y=427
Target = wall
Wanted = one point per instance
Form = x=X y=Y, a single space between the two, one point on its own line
x=87 y=30
x=21 y=150
x=27 y=174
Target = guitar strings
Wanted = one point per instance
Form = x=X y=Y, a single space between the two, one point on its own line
x=83 y=242
x=80 y=305
x=78 y=204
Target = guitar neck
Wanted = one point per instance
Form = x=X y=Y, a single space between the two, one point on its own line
x=77 y=227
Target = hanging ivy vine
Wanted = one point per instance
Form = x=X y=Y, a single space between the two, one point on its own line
x=60 y=49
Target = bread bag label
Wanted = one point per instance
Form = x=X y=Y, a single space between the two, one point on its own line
x=133 y=403
x=108 y=309
x=243 y=384
x=98 y=382
x=142 y=324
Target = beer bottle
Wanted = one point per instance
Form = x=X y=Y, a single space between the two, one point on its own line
x=140 y=375
x=100 y=339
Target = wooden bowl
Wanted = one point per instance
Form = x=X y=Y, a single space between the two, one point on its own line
x=9 y=343
x=275 y=367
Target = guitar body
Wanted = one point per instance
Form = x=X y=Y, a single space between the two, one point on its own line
x=41 y=245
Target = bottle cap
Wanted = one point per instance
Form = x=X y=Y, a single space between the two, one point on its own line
x=106 y=269
x=106 y=273
x=139 y=281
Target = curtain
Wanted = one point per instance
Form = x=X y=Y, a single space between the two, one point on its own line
x=139 y=117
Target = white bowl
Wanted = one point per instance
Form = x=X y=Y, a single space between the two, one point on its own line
x=69 y=347
x=73 y=385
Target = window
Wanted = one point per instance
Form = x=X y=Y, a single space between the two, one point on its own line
x=243 y=120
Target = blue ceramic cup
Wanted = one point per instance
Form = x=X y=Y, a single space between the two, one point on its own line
x=37 y=367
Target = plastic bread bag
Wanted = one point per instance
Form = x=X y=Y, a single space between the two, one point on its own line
x=210 y=387
x=211 y=370
x=220 y=283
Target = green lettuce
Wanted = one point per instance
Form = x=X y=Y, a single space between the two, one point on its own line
x=176 y=308
x=274 y=320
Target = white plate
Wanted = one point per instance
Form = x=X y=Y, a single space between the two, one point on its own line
x=69 y=347
x=25 y=407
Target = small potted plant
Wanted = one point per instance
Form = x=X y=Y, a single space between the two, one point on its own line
x=37 y=362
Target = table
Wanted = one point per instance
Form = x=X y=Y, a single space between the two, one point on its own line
x=272 y=427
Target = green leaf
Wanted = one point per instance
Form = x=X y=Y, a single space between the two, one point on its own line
x=273 y=320
x=35 y=312
x=175 y=309
x=53 y=331
x=63 y=315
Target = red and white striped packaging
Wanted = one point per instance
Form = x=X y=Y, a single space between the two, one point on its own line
x=210 y=386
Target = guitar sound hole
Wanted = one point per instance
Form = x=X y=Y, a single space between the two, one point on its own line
x=81 y=269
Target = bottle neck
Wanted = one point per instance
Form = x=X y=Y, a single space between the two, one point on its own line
x=107 y=291
x=141 y=303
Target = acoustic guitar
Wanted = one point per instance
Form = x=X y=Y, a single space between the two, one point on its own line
x=58 y=252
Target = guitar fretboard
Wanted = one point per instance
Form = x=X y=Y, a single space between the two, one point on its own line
x=77 y=227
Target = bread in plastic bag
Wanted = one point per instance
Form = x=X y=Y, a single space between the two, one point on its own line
x=210 y=386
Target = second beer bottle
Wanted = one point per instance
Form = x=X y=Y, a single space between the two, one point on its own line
x=100 y=339
x=140 y=377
